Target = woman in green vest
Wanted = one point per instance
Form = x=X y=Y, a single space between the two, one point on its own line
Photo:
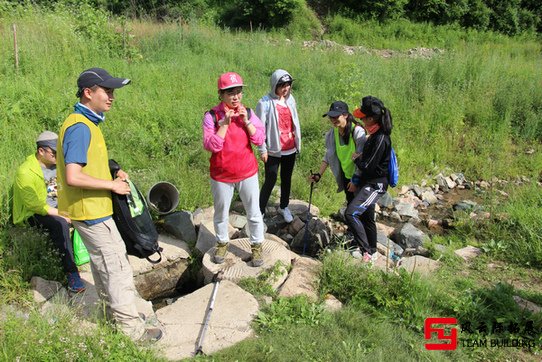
x=343 y=141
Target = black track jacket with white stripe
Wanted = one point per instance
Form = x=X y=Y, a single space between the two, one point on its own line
x=375 y=158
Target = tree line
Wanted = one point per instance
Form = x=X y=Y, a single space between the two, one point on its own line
x=510 y=17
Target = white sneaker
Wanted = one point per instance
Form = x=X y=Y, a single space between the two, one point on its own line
x=286 y=214
x=356 y=253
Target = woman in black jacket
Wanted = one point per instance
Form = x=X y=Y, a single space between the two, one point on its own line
x=373 y=180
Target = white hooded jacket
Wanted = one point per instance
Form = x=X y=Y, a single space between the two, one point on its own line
x=267 y=112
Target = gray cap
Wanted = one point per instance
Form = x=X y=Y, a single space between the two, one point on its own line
x=47 y=139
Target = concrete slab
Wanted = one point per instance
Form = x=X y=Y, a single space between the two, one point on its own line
x=233 y=311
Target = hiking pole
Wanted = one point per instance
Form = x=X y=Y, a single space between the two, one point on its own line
x=307 y=220
x=199 y=343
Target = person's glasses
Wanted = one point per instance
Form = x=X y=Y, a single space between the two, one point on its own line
x=51 y=151
x=333 y=118
x=234 y=92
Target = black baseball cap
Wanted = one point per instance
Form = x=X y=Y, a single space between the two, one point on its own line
x=370 y=106
x=98 y=76
x=286 y=78
x=336 y=109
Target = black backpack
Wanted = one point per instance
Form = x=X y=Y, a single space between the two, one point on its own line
x=138 y=232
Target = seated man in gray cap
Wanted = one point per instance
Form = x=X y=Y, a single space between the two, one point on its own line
x=35 y=203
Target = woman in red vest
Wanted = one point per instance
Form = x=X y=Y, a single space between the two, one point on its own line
x=229 y=129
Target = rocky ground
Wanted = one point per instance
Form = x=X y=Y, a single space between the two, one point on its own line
x=181 y=287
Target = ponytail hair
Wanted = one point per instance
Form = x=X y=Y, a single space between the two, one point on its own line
x=385 y=121
x=349 y=121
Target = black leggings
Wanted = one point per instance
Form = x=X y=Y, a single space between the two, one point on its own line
x=271 y=172
x=360 y=216
x=59 y=231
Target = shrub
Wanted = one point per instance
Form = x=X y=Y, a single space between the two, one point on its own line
x=265 y=14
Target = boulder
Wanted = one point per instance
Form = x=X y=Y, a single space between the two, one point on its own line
x=202 y=215
x=303 y=279
x=386 y=201
x=406 y=209
x=419 y=264
x=411 y=237
x=468 y=252
x=43 y=289
x=229 y=322
x=318 y=237
x=299 y=208
x=180 y=224
x=331 y=303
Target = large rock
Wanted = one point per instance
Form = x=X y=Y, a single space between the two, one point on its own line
x=180 y=224
x=202 y=215
x=303 y=278
x=419 y=264
x=229 y=322
x=468 y=252
x=406 y=209
x=383 y=240
x=158 y=280
x=300 y=207
x=318 y=237
x=411 y=237
x=386 y=201
x=43 y=290
x=238 y=261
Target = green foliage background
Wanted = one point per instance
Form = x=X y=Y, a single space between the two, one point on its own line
x=474 y=107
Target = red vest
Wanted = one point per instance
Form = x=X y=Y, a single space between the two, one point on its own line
x=236 y=161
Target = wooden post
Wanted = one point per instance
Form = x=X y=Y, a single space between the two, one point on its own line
x=250 y=23
x=15 y=48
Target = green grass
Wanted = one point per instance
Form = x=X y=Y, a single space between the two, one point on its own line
x=57 y=335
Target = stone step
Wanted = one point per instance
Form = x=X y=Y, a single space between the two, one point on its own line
x=237 y=263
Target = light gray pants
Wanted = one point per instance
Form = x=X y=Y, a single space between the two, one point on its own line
x=249 y=192
x=112 y=274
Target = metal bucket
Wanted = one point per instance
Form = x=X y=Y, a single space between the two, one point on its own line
x=163 y=197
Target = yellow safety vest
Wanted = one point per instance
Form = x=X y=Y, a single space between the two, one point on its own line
x=75 y=202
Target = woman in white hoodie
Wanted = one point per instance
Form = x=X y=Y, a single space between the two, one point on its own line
x=278 y=112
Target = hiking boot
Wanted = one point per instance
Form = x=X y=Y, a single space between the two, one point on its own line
x=257 y=259
x=151 y=335
x=75 y=284
x=286 y=214
x=220 y=252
